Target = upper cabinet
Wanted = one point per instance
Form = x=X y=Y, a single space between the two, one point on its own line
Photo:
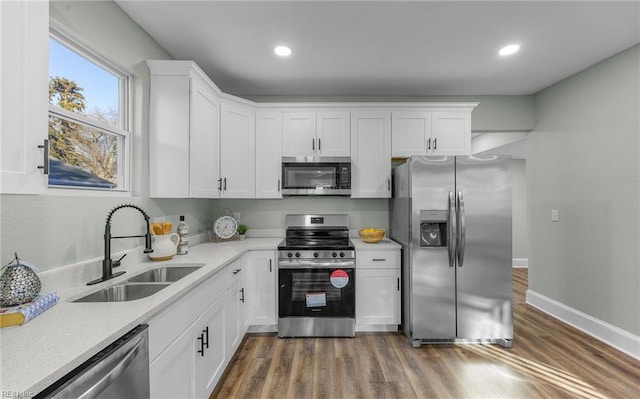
x=323 y=133
x=371 y=154
x=268 y=154
x=184 y=132
x=237 y=151
x=24 y=36
x=425 y=132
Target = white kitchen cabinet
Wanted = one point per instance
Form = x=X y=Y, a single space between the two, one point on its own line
x=322 y=133
x=261 y=290
x=211 y=352
x=237 y=151
x=204 y=141
x=171 y=375
x=184 y=127
x=431 y=133
x=24 y=35
x=268 y=154
x=371 y=154
x=236 y=321
x=379 y=292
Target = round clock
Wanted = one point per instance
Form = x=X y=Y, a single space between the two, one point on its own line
x=225 y=227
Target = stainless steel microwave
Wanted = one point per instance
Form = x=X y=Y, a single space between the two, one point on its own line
x=316 y=176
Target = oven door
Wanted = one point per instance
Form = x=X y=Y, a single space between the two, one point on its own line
x=317 y=291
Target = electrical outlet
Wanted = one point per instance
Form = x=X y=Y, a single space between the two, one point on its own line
x=555 y=215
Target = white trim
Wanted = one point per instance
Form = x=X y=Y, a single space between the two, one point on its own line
x=611 y=335
x=520 y=262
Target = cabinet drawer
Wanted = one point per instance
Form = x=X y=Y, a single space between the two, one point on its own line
x=168 y=325
x=378 y=260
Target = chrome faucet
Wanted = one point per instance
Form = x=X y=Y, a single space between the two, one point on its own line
x=108 y=264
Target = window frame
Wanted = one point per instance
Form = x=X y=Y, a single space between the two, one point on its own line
x=123 y=133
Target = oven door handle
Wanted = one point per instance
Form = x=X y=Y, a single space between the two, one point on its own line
x=287 y=264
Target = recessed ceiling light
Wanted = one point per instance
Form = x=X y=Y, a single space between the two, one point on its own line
x=282 y=51
x=510 y=49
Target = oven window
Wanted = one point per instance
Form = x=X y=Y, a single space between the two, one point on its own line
x=307 y=176
x=322 y=292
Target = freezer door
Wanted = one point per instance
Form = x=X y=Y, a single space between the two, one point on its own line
x=431 y=298
x=483 y=194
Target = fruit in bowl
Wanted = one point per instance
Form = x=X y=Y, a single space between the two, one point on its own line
x=371 y=235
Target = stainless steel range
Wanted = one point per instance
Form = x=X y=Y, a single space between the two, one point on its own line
x=316 y=277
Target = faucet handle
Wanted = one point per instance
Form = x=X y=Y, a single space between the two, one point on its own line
x=118 y=263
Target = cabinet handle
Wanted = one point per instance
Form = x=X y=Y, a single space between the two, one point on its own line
x=428 y=144
x=270 y=265
x=225 y=184
x=278 y=185
x=398 y=283
x=435 y=143
x=313 y=144
x=220 y=184
x=206 y=334
x=242 y=297
x=319 y=145
x=389 y=184
x=379 y=259
x=45 y=165
x=201 y=350
x=237 y=271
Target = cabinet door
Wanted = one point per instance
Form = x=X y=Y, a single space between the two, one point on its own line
x=204 y=142
x=411 y=132
x=210 y=349
x=237 y=151
x=299 y=134
x=371 y=154
x=24 y=35
x=171 y=375
x=261 y=288
x=235 y=316
x=451 y=133
x=378 y=296
x=268 y=154
x=333 y=134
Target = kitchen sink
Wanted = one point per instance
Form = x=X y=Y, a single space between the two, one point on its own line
x=123 y=292
x=166 y=274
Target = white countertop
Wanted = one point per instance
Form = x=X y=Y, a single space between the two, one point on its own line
x=38 y=353
x=46 y=348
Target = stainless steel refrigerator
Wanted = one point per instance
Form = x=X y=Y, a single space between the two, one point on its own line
x=452 y=216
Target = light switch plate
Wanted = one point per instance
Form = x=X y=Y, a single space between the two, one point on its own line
x=555 y=215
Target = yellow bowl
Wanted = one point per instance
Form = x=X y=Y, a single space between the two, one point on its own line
x=371 y=235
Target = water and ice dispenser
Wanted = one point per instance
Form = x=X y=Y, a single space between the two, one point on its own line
x=433 y=228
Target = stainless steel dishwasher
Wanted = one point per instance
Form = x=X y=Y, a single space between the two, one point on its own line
x=119 y=371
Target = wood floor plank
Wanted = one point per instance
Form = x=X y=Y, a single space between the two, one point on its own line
x=549 y=359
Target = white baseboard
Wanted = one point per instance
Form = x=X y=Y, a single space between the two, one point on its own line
x=607 y=333
x=520 y=262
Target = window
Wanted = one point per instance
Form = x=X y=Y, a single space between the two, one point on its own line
x=88 y=121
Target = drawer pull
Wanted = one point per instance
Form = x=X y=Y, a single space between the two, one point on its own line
x=379 y=259
x=237 y=271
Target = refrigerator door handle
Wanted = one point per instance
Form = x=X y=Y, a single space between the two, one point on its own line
x=462 y=229
x=451 y=230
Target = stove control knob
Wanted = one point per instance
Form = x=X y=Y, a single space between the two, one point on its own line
x=342 y=254
x=297 y=254
x=315 y=254
x=289 y=254
x=334 y=254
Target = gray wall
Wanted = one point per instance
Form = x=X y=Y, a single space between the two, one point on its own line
x=57 y=230
x=583 y=159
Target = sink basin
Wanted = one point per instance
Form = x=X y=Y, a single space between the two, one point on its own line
x=123 y=293
x=165 y=274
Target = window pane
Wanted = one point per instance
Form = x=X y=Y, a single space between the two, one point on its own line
x=82 y=156
x=78 y=85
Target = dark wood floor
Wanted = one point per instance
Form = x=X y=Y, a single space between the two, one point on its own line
x=548 y=360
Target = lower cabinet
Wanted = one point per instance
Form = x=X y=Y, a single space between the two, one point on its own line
x=378 y=293
x=191 y=342
x=261 y=291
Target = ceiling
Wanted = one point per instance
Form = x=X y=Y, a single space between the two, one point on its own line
x=388 y=48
